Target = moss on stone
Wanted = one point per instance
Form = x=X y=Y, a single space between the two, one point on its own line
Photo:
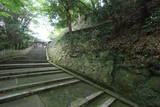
x=83 y=53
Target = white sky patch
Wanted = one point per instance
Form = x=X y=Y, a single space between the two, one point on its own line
x=102 y=3
x=2 y=23
x=41 y=29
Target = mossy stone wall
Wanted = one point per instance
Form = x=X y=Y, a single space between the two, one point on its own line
x=82 y=53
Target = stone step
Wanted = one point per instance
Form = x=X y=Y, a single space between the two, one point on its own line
x=25 y=61
x=28 y=65
x=22 y=94
x=6 y=65
x=7 y=59
x=108 y=102
x=13 y=88
x=103 y=100
x=83 y=101
x=30 y=74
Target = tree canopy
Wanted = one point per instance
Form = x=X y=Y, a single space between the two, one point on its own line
x=16 y=15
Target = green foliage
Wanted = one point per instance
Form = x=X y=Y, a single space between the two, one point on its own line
x=15 y=16
x=152 y=22
x=12 y=5
x=4 y=14
x=63 y=12
x=101 y=14
x=155 y=16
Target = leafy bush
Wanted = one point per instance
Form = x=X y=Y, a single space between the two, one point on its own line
x=152 y=22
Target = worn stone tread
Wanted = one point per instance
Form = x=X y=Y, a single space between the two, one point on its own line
x=9 y=89
x=35 y=91
x=30 y=74
x=26 y=65
x=18 y=73
x=28 y=61
x=83 y=101
x=108 y=102
x=31 y=101
x=6 y=65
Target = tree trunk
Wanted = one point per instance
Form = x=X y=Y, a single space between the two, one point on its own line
x=66 y=5
x=69 y=21
x=93 y=4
